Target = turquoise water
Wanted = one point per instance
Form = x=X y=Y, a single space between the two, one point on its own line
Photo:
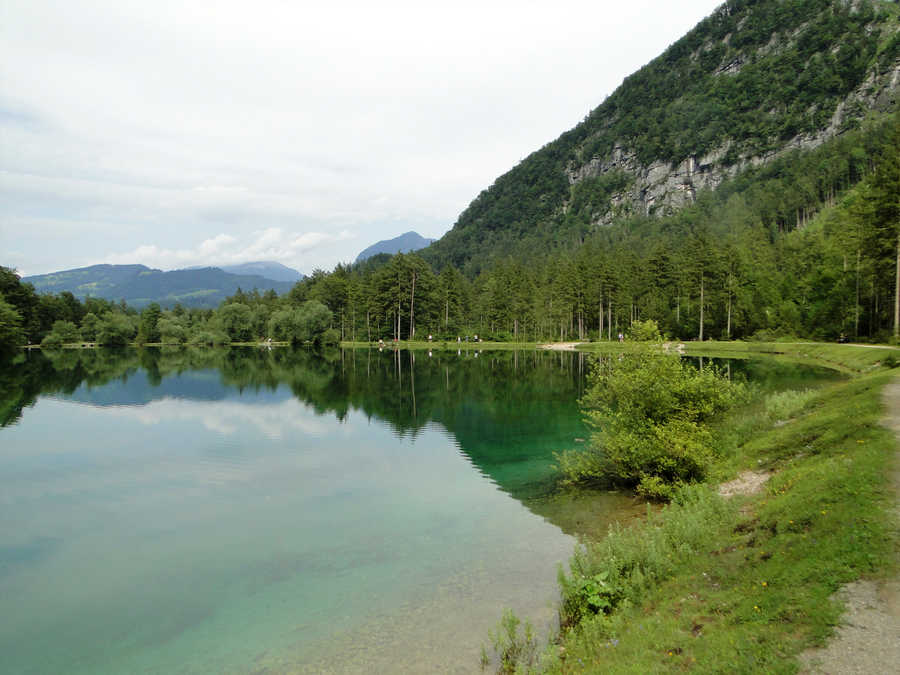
x=247 y=511
x=274 y=513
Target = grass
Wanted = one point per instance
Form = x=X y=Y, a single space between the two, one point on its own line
x=846 y=358
x=744 y=585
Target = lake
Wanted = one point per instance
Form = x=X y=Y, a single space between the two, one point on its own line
x=255 y=511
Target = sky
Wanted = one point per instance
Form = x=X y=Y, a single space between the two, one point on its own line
x=185 y=133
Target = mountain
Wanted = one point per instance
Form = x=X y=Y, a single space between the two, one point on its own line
x=139 y=285
x=752 y=82
x=268 y=269
x=405 y=243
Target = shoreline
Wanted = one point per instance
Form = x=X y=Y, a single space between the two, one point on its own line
x=808 y=514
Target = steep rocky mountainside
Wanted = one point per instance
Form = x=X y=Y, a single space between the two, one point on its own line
x=755 y=80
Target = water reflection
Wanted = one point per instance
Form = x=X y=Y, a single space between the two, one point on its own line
x=507 y=410
x=255 y=511
x=487 y=401
x=240 y=510
x=504 y=408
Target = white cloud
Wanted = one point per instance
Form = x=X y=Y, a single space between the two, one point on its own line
x=283 y=420
x=128 y=123
x=223 y=249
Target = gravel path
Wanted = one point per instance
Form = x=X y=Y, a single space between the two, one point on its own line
x=868 y=640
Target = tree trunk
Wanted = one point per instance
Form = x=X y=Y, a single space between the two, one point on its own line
x=728 y=322
x=701 y=307
x=412 y=302
x=609 y=322
x=856 y=306
x=897 y=292
x=600 y=334
x=728 y=325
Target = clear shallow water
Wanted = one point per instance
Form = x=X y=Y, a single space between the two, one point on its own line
x=246 y=511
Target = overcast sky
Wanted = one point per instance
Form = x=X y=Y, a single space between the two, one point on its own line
x=185 y=133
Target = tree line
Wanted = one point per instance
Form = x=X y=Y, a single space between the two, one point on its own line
x=52 y=320
x=808 y=245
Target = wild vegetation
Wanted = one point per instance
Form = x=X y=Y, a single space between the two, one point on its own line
x=740 y=584
x=650 y=412
x=743 y=82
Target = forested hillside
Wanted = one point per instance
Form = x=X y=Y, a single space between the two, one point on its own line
x=754 y=80
x=726 y=266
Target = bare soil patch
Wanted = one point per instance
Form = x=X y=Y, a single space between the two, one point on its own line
x=747 y=483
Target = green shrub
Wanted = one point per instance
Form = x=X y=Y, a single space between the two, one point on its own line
x=52 y=341
x=332 y=336
x=208 y=337
x=116 y=330
x=595 y=594
x=11 y=333
x=656 y=489
x=67 y=331
x=644 y=331
x=307 y=323
x=171 y=332
x=513 y=650
x=628 y=561
x=650 y=412
x=784 y=405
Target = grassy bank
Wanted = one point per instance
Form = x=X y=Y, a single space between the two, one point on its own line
x=745 y=584
x=848 y=358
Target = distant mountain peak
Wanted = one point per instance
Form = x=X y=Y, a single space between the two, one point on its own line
x=268 y=269
x=139 y=285
x=405 y=243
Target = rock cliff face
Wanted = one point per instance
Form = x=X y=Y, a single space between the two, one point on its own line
x=661 y=187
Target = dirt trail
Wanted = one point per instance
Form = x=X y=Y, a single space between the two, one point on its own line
x=868 y=640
